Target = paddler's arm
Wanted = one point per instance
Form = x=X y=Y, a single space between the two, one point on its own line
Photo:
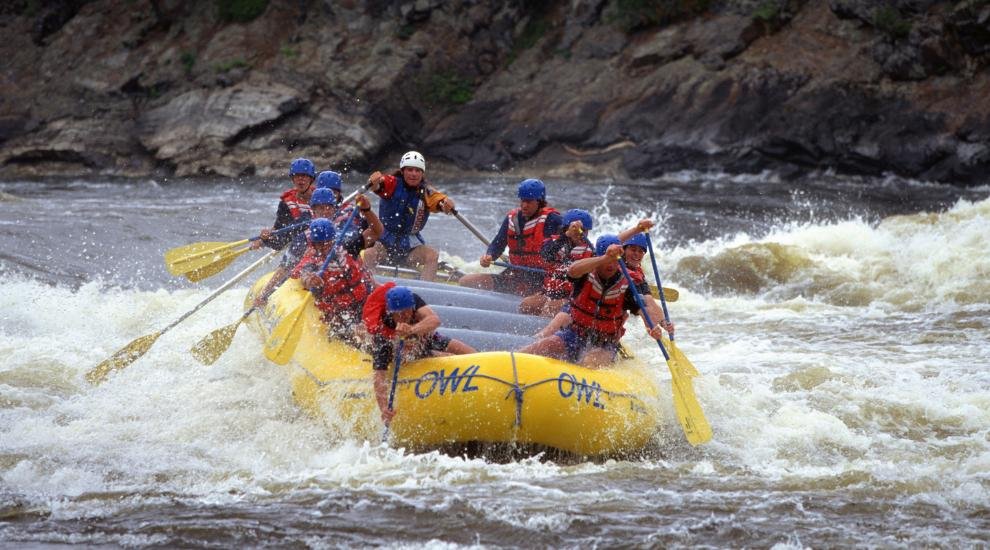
x=581 y=268
x=437 y=201
x=641 y=226
x=498 y=244
x=427 y=321
x=283 y=218
x=383 y=350
x=375 y=227
x=382 y=384
x=660 y=324
x=382 y=185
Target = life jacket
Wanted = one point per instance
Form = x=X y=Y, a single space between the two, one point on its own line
x=555 y=280
x=299 y=209
x=637 y=274
x=344 y=285
x=597 y=311
x=374 y=312
x=525 y=242
x=403 y=213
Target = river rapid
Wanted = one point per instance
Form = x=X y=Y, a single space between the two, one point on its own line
x=841 y=327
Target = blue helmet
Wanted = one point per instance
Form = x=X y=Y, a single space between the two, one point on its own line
x=639 y=239
x=577 y=215
x=399 y=298
x=532 y=189
x=322 y=196
x=329 y=179
x=603 y=242
x=321 y=230
x=302 y=166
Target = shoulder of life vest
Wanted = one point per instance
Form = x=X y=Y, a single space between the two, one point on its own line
x=374 y=309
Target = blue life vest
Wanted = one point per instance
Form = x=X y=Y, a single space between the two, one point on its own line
x=402 y=215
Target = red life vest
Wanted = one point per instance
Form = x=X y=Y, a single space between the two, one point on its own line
x=374 y=312
x=344 y=287
x=598 y=311
x=636 y=273
x=525 y=242
x=297 y=207
x=555 y=280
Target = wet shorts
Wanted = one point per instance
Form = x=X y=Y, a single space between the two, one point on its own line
x=577 y=344
x=518 y=282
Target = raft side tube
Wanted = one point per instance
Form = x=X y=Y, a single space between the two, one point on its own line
x=487 y=341
x=489 y=321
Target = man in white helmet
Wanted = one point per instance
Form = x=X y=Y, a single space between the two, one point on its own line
x=405 y=205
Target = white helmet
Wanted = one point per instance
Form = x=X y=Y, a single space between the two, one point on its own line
x=414 y=159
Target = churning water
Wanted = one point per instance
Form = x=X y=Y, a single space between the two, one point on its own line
x=841 y=327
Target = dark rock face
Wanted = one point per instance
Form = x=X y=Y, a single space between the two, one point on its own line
x=130 y=88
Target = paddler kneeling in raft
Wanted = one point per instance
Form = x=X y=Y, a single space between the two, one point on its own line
x=394 y=312
x=598 y=307
x=342 y=289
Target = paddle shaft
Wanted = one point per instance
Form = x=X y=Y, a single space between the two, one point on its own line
x=656 y=275
x=333 y=251
x=282 y=230
x=236 y=279
x=642 y=306
x=519 y=267
x=354 y=193
x=470 y=226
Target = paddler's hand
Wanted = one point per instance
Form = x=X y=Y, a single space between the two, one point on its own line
x=259 y=301
x=387 y=415
x=311 y=280
x=375 y=180
x=644 y=225
x=485 y=260
x=574 y=231
x=447 y=205
x=614 y=252
x=403 y=330
x=362 y=202
x=663 y=325
x=262 y=237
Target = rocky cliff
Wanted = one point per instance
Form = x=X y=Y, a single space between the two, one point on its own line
x=627 y=88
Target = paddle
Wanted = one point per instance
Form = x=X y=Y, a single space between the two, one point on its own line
x=686 y=405
x=395 y=382
x=470 y=227
x=212 y=346
x=282 y=342
x=674 y=350
x=198 y=261
x=138 y=347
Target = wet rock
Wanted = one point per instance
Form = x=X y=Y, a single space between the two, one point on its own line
x=209 y=120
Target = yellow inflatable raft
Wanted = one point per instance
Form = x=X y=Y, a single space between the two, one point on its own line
x=522 y=403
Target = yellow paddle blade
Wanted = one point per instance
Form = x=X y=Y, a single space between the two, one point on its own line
x=689 y=413
x=281 y=345
x=212 y=346
x=682 y=361
x=669 y=294
x=125 y=356
x=190 y=257
x=209 y=270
